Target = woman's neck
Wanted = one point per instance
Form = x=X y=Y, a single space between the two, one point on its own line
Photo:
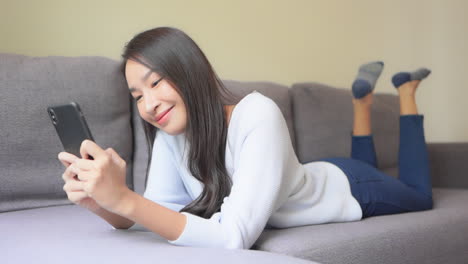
x=228 y=109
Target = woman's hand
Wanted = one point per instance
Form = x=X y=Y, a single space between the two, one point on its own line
x=73 y=187
x=102 y=179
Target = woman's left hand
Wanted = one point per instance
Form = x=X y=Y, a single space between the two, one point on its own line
x=104 y=177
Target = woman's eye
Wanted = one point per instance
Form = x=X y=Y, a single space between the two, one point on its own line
x=156 y=82
x=138 y=98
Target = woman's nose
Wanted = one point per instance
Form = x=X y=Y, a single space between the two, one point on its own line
x=151 y=102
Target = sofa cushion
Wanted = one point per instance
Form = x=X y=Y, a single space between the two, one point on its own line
x=277 y=92
x=435 y=236
x=323 y=119
x=31 y=172
x=72 y=234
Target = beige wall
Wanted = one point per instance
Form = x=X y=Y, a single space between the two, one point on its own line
x=282 y=41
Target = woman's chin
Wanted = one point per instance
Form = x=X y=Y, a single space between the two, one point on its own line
x=172 y=131
x=169 y=128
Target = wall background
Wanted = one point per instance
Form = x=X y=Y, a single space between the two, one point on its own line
x=281 y=41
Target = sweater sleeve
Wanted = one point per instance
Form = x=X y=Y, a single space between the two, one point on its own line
x=256 y=187
x=164 y=185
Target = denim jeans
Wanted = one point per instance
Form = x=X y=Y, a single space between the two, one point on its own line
x=381 y=194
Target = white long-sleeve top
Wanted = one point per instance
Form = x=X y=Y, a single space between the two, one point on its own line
x=270 y=187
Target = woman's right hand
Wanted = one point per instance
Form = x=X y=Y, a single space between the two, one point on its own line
x=73 y=186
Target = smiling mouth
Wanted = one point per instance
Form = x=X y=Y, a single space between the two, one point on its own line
x=164 y=114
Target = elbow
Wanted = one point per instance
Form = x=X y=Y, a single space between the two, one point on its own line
x=236 y=247
x=123 y=226
x=239 y=239
x=236 y=244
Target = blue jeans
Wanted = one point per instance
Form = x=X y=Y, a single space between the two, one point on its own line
x=381 y=194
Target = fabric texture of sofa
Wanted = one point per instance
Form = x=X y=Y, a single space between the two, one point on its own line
x=38 y=223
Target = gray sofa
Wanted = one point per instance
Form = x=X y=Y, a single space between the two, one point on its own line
x=38 y=223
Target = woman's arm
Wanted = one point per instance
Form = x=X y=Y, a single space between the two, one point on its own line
x=117 y=221
x=75 y=194
x=103 y=180
x=157 y=218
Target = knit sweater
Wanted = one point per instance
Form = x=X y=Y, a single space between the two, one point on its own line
x=270 y=187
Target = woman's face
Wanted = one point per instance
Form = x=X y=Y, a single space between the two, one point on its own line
x=154 y=96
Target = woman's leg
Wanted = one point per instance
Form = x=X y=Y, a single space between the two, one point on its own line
x=413 y=157
x=378 y=193
x=362 y=144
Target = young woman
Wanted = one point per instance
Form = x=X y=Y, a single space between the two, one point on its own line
x=221 y=172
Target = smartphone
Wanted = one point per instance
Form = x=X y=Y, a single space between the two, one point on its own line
x=71 y=126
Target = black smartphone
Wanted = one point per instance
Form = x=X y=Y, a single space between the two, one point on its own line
x=71 y=126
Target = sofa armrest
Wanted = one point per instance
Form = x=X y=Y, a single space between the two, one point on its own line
x=449 y=164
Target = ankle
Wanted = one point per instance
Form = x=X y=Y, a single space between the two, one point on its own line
x=408 y=88
x=364 y=102
x=407 y=96
x=408 y=105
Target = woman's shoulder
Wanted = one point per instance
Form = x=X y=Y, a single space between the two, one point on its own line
x=256 y=107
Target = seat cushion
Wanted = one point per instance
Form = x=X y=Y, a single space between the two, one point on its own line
x=71 y=234
x=435 y=236
x=30 y=174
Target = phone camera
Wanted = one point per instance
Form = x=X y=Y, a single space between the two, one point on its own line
x=53 y=117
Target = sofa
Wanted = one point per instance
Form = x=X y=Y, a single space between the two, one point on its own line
x=38 y=223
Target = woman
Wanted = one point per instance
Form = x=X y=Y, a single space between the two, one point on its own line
x=219 y=172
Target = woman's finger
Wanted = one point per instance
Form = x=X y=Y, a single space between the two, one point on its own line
x=70 y=172
x=84 y=176
x=115 y=156
x=75 y=197
x=84 y=164
x=73 y=186
x=66 y=158
x=89 y=148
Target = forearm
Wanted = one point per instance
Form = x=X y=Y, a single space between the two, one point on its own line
x=117 y=221
x=155 y=217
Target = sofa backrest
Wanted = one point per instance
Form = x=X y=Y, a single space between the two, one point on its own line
x=31 y=174
x=319 y=119
x=323 y=119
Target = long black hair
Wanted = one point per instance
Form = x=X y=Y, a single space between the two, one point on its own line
x=176 y=57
